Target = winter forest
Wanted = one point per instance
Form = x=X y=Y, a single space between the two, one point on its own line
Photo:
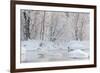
x=54 y=35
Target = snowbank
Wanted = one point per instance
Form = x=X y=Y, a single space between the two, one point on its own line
x=38 y=51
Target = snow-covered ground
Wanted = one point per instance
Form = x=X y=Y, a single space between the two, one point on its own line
x=40 y=51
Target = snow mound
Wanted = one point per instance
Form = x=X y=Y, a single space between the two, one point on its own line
x=77 y=54
x=30 y=44
x=78 y=45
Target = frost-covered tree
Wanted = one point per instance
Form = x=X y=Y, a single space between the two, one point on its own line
x=26 y=27
x=83 y=23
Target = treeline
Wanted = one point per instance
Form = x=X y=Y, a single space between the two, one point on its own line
x=53 y=26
